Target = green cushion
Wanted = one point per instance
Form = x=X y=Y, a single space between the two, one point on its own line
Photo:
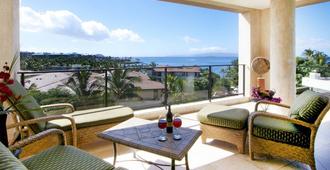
x=65 y=157
x=8 y=161
x=308 y=106
x=223 y=116
x=281 y=131
x=27 y=106
x=94 y=117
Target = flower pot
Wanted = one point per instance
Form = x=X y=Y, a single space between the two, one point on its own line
x=3 y=129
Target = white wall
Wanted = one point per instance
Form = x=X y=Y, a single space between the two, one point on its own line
x=9 y=31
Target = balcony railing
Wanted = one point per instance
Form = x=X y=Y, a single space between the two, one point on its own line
x=138 y=88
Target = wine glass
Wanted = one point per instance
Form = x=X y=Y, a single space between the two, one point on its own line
x=162 y=124
x=177 y=122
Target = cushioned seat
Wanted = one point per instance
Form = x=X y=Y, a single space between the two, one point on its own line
x=289 y=136
x=224 y=123
x=224 y=116
x=81 y=127
x=308 y=106
x=65 y=157
x=94 y=117
x=8 y=160
x=281 y=131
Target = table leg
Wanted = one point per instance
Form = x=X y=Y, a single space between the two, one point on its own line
x=186 y=160
x=115 y=153
x=173 y=164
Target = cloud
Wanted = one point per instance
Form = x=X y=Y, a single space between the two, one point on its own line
x=64 y=22
x=190 y=40
x=314 y=44
x=212 y=49
x=125 y=34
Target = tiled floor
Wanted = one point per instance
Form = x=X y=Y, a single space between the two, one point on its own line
x=211 y=156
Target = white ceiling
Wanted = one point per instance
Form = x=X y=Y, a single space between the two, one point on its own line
x=239 y=5
x=257 y=4
x=261 y=4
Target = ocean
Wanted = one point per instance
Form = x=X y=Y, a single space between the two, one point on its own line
x=187 y=61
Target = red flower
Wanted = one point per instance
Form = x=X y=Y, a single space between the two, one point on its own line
x=5 y=90
x=6 y=76
x=2 y=75
x=3 y=98
x=10 y=81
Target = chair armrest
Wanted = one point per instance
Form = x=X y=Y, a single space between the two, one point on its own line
x=38 y=137
x=46 y=119
x=270 y=103
x=69 y=107
x=280 y=117
x=120 y=168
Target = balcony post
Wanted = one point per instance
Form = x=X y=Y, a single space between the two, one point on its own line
x=106 y=88
x=23 y=79
x=166 y=88
x=243 y=80
x=210 y=84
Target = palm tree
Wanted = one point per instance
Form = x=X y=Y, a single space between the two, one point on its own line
x=315 y=56
x=175 y=86
x=320 y=58
x=309 y=54
x=82 y=84
x=121 y=85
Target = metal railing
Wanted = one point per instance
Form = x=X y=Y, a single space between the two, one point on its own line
x=218 y=83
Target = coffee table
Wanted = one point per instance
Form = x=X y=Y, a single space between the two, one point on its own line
x=143 y=135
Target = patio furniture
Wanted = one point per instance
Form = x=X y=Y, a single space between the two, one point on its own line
x=291 y=137
x=54 y=158
x=80 y=127
x=143 y=135
x=224 y=123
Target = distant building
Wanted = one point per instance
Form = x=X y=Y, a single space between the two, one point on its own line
x=182 y=72
x=149 y=89
x=45 y=82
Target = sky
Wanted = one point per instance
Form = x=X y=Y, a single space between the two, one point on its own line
x=148 y=28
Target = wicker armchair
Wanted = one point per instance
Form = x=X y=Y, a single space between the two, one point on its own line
x=289 y=137
x=59 y=156
x=80 y=127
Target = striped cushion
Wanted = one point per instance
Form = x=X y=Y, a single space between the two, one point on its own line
x=8 y=161
x=223 y=116
x=28 y=107
x=281 y=131
x=308 y=106
x=66 y=157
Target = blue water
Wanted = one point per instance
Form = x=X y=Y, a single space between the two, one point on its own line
x=187 y=61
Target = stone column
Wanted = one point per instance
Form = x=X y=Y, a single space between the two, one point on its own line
x=282 y=49
x=253 y=42
x=9 y=31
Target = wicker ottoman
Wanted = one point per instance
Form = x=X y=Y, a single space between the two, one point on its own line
x=224 y=123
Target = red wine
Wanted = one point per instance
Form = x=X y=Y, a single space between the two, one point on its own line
x=177 y=122
x=169 y=119
x=162 y=123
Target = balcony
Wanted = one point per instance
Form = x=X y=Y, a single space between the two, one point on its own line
x=189 y=101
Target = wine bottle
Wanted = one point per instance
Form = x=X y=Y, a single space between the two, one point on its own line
x=169 y=120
